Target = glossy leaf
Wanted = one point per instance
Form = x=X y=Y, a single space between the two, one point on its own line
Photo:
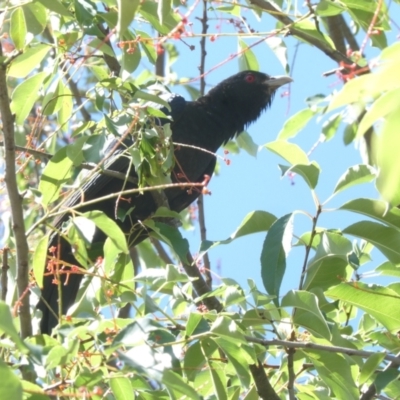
x=354 y=176
x=25 y=95
x=256 y=221
x=247 y=59
x=40 y=259
x=386 y=239
x=307 y=313
x=388 y=182
x=25 y=63
x=18 y=28
x=310 y=172
x=292 y=153
x=295 y=124
x=273 y=256
x=376 y=209
x=381 y=303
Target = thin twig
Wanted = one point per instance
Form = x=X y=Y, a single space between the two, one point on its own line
x=200 y=200
x=199 y=284
x=4 y=269
x=313 y=346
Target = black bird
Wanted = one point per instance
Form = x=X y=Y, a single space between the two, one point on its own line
x=206 y=123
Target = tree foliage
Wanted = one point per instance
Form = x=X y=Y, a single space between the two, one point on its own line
x=73 y=72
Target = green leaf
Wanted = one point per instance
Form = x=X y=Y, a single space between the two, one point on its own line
x=85 y=12
x=355 y=176
x=385 y=377
x=121 y=388
x=247 y=59
x=292 y=153
x=18 y=29
x=65 y=111
x=335 y=371
x=100 y=45
x=109 y=227
x=381 y=303
x=238 y=357
x=295 y=124
x=255 y=221
x=57 y=7
x=171 y=236
x=219 y=380
x=10 y=387
x=57 y=172
x=376 y=209
x=8 y=328
x=388 y=269
x=25 y=95
x=52 y=102
x=384 y=238
x=130 y=60
x=330 y=127
x=384 y=105
x=308 y=28
x=149 y=11
x=245 y=142
x=388 y=160
x=194 y=361
x=126 y=13
x=147 y=46
x=273 y=256
x=309 y=172
x=370 y=366
x=330 y=263
x=176 y=384
x=35 y=17
x=327 y=8
x=163 y=10
x=25 y=63
x=278 y=46
x=307 y=313
x=226 y=328
x=40 y=259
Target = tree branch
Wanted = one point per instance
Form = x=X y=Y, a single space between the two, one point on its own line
x=200 y=200
x=320 y=44
x=331 y=349
x=264 y=388
x=22 y=250
x=200 y=285
x=4 y=269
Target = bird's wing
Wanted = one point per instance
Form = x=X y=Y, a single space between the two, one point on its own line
x=99 y=184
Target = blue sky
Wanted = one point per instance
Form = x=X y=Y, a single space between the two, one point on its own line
x=250 y=183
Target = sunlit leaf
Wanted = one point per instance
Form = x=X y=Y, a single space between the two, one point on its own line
x=388 y=182
x=307 y=313
x=25 y=63
x=295 y=124
x=385 y=238
x=380 y=302
x=354 y=176
x=292 y=153
x=18 y=28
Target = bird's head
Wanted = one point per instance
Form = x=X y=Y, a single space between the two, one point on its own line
x=246 y=95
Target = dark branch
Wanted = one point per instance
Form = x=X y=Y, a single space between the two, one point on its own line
x=18 y=222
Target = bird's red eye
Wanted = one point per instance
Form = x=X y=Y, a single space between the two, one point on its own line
x=250 y=78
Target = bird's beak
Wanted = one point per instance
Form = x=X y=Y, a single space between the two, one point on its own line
x=277 y=81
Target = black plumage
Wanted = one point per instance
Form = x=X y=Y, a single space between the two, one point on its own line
x=206 y=123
